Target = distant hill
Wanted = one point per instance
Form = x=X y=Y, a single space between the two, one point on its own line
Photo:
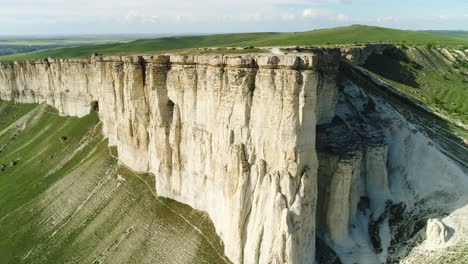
x=450 y=33
x=341 y=35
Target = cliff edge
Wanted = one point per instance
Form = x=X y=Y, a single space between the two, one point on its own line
x=231 y=135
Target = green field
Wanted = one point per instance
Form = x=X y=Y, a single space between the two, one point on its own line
x=451 y=33
x=15 y=45
x=343 y=35
x=65 y=199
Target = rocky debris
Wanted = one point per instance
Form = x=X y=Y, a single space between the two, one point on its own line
x=13 y=163
x=409 y=227
x=449 y=56
x=63 y=139
x=460 y=55
x=325 y=254
x=436 y=232
x=374 y=229
x=3 y=167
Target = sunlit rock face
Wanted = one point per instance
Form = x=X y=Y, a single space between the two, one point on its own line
x=273 y=148
x=436 y=232
x=231 y=135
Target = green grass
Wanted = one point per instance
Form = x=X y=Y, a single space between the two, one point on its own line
x=428 y=78
x=59 y=41
x=342 y=35
x=451 y=33
x=71 y=202
x=15 y=45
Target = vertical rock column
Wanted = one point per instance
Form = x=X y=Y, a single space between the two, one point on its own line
x=376 y=176
x=338 y=194
x=282 y=128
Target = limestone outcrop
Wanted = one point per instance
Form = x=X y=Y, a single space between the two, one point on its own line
x=436 y=232
x=359 y=54
x=231 y=135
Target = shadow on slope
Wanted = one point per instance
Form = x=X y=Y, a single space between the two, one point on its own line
x=392 y=68
x=440 y=84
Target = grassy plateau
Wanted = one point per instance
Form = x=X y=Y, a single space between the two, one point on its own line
x=426 y=76
x=342 y=35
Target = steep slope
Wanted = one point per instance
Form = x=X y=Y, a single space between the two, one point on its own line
x=65 y=199
x=385 y=177
x=436 y=76
x=393 y=184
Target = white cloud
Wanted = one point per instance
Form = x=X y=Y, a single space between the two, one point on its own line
x=136 y=17
x=384 y=19
x=325 y=14
x=342 y=18
x=315 y=13
x=288 y=16
x=182 y=16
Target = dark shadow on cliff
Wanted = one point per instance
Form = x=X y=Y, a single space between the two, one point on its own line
x=395 y=67
x=325 y=254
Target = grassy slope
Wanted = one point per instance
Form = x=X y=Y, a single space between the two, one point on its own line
x=70 y=201
x=433 y=81
x=342 y=35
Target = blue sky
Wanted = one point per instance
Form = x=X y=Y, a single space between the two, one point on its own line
x=26 y=17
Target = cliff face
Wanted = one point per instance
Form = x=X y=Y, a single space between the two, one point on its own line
x=233 y=136
x=386 y=169
x=269 y=144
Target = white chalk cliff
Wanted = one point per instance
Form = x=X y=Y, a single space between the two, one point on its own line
x=265 y=145
x=231 y=135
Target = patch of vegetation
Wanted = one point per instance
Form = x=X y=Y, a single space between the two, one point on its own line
x=342 y=35
x=12 y=49
x=9 y=113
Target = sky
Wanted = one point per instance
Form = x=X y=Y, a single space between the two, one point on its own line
x=58 y=17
